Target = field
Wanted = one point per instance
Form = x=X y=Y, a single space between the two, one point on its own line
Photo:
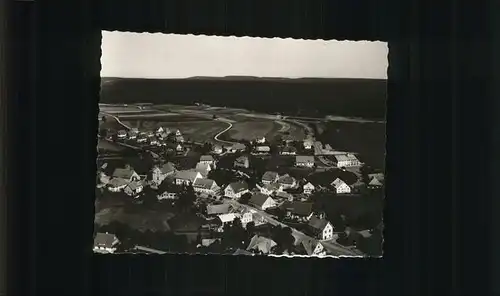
x=251 y=130
x=140 y=220
x=368 y=139
x=108 y=146
x=198 y=131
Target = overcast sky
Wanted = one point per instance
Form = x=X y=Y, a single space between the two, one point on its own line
x=144 y=55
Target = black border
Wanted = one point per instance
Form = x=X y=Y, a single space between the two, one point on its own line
x=423 y=246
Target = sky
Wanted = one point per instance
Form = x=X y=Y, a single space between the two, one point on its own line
x=161 y=56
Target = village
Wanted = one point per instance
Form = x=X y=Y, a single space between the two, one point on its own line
x=275 y=196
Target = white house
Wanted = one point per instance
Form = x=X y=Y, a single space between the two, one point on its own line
x=375 y=180
x=179 y=148
x=203 y=168
x=246 y=218
x=121 y=177
x=288 y=150
x=105 y=243
x=346 y=160
x=207 y=159
x=321 y=228
x=304 y=161
x=261 y=140
x=117 y=184
x=160 y=173
x=269 y=177
x=263 y=149
x=206 y=186
x=261 y=244
x=262 y=201
x=270 y=189
x=287 y=181
x=308 y=144
x=153 y=141
x=133 y=188
x=228 y=218
x=167 y=195
x=313 y=247
x=237 y=147
x=236 y=189
x=186 y=177
x=217 y=149
x=178 y=133
x=341 y=186
x=308 y=188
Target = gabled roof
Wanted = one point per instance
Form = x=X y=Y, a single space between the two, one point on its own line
x=105 y=240
x=309 y=245
x=202 y=167
x=272 y=186
x=186 y=175
x=218 y=209
x=134 y=185
x=378 y=176
x=258 y=199
x=375 y=182
x=317 y=223
x=167 y=168
x=260 y=243
x=204 y=183
x=298 y=208
x=338 y=182
x=239 y=186
x=117 y=182
x=309 y=184
x=269 y=176
x=206 y=158
x=125 y=173
x=284 y=194
x=304 y=158
x=229 y=217
x=286 y=179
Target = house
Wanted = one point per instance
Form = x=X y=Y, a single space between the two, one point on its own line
x=242 y=162
x=258 y=219
x=308 y=144
x=298 y=210
x=288 y=150
x=269 y=177
x=346 y=160
x=207 y=242
x=261 y=244
x=236 y=189
x=287 y=181
x=122 y=134
x=179 y=148
x=127 y=173
x=246 y=216
x=178 y=133
x=203 y=168
x=217 y=149
x=312 y=247
x=218 y=209
x=304 y=161
x=105 y=243
x=263 y=149
x=159 y=174
x=186 y=177
x=179 y=139
x=228 y=218
x=376 y=180
x=308 y=188
x=261 y=140
x=284 y=195
x=153 y=141
x=133 y=188
x=141 y=139
x=207 y=159
x=167 y=195
x=132 y=133
x=117 y=184
x=270 y=189
x=340 y=186
x=261 y=201
x=321 y=228
x=237 y=147
x=206 y=186
x=103 y=179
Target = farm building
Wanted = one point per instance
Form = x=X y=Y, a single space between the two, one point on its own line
x=304 y=161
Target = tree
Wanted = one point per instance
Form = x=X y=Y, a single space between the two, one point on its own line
x=251 y=229
x=245 y=198
x=187 y=197
x=283 y=238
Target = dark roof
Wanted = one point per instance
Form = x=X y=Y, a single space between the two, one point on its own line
x=258 y=199
x=204 y=183
x=317 y=223
x=298 y=208
x=167 y=168
x=239 y=186
x=218 y=209
x=105 y=240
x=269 y=176
x=286 y=179
x=125 y=173
x=186 y=175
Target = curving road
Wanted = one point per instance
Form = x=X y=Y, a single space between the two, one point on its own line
x=117 y=120
x=216 y=137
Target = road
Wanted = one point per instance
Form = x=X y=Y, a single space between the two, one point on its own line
x=216 y=137
x=335 y=248
x=117 y=120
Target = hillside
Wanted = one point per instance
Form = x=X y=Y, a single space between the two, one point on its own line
x=303 y=96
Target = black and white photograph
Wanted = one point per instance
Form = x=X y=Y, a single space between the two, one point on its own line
x=240 y=146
